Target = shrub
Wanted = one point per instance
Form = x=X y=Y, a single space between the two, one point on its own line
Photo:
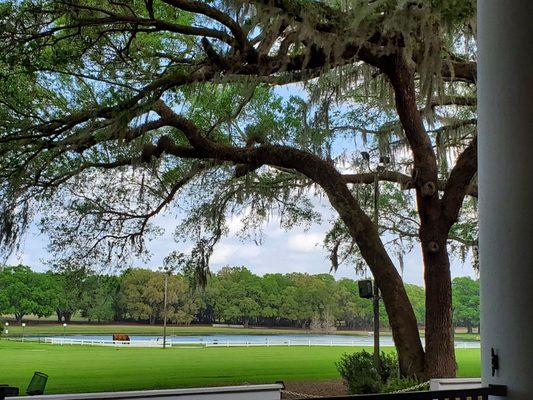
x=360 y=375
x=358 y=372
x=395 y=384
x=389 y=367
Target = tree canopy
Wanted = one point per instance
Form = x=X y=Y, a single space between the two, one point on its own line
x=141 y=296
x=233 y=295
x=26 y=292
x=110 y=111
x=466 y=302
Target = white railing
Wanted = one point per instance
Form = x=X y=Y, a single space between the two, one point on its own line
x=224 y=343
x=245 y=392
x=283 y=342
x=210 y=343
x=96 y=342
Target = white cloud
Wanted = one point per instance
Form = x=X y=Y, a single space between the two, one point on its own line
x=223 y=253
x=19 y=258
x=235 y=224
x=305 y=242
x=235 y=254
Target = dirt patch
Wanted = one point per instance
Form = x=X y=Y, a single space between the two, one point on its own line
x=333 y=387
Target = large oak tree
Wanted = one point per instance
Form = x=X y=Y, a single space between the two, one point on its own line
x=110 y=109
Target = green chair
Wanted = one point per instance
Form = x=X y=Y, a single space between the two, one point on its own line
x=37 y=384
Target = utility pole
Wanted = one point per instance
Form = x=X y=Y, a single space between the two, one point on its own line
x=375 y=298
x=383 y=161
x=165 y=310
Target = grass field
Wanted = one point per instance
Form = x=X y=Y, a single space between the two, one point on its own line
x=87 y=369
x=139 y=329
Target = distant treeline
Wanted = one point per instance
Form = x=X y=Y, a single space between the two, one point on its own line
x=233 y=295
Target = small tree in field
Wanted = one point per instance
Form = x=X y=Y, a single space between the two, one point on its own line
x=110 y=110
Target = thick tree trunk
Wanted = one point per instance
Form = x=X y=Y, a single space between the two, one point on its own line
x=440 y=353
x=67 y=316
x=399 y=310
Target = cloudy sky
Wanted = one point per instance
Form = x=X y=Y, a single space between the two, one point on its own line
x=297 y=250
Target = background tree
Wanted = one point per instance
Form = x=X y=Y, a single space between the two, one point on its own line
x=466 y=302
x=232 y=295
x=26 y=292
x=71 y=283
x=4 y=304
x=136 y=299
x=238 y=294
x=354 y=311
x=141 y=297
x=99 y=300
x=109 y=111
x=417 y=297
x=272 y=288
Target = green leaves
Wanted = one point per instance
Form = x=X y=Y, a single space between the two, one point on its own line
x=232 y=295
x=360 y=374
x=465 y=302
x=141 y=297
x=26 y=292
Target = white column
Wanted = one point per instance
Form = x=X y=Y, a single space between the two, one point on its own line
x=505 y=91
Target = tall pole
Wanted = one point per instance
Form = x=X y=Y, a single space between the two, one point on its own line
x=165 y=312
x=375 y=298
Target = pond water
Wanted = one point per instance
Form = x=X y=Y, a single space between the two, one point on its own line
x=257 y=339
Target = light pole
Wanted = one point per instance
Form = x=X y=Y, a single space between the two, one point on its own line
x=23 y=327
x=7 y=326
x=64 y=330
x=383 y=161
x=167 y=272
x=375 y=297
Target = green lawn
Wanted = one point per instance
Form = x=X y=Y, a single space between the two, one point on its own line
x=467 y=336
x=86 y=369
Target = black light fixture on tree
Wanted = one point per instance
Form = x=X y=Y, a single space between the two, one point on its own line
x=365 y=289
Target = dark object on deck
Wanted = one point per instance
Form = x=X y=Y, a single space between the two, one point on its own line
x=365 y=289
x=37 y=384
x=120 y=337
x=6 y=390
x=458 y=394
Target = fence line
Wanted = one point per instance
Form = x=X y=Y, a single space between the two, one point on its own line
x=221 y=343
x=212 y=343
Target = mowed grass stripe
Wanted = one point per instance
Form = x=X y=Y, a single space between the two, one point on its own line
x=93 y=369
